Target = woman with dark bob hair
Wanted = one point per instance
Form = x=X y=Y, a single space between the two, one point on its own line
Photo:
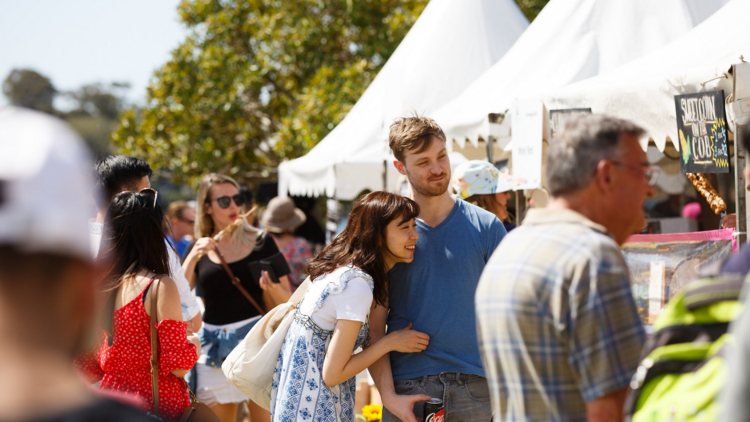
x=315 y=371
x=136 y=257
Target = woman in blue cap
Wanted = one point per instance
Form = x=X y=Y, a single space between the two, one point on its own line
x=480 y=183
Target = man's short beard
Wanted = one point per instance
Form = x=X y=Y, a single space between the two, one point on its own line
x=428 y=189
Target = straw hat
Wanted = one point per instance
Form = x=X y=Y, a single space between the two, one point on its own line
x=281 y=216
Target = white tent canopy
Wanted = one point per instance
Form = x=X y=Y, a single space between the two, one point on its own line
x=570 y=40
x=643 y=90
x=450 y=45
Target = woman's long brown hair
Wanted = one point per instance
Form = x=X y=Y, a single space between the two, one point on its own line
x=363 y=242
x=134 y=240
x=489 y=203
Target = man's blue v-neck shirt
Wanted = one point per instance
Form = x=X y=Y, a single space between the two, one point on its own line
x=436 y=292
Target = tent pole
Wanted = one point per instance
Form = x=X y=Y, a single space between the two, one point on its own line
x=520 y=206
x=332 y=218
x=740 y=191
x=385 y=175
x=491 y=149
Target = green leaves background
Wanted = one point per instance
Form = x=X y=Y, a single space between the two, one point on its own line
x=259 y=81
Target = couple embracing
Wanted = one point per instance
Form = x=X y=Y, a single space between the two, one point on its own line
x=399 y=281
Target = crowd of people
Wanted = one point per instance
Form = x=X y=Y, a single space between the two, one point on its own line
x=538 y=324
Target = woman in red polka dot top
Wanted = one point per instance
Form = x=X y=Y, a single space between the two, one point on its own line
x=136 y=256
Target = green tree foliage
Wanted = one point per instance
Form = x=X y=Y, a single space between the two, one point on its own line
x=531 y=8
x=96 y=113
x=258 y=81
x=99 y=100
x=27 y=88
x=94 y=109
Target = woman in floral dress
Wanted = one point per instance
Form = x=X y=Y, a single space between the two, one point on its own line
x=136 y=257
x=314 y=375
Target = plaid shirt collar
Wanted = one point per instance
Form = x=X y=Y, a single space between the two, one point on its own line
x=539 y=216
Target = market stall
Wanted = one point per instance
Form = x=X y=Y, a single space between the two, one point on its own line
x=662 y=264
x=643 y=90
x=692 y=96
x=451 y=44
x=570 y=40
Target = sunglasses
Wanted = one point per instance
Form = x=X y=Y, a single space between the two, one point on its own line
x=185 y=220
x=150 y=192
x=225 y=201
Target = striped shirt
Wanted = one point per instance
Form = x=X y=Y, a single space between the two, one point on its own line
x=557 y=323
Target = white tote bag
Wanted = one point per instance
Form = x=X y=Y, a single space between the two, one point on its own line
x=251 y=364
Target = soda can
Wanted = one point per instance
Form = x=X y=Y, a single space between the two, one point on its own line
x=434 y=411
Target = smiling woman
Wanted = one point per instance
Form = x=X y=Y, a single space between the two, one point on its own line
x=400 y=242
x=349 y=277
x=377 y=220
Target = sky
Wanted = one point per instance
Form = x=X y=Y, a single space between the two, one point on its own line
x=77 y=42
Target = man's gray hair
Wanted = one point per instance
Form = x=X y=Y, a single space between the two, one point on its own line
x=587 y=139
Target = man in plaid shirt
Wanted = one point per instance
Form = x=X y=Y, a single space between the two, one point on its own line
x=558 y=328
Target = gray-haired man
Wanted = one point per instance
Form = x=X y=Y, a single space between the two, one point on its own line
x=559 y=333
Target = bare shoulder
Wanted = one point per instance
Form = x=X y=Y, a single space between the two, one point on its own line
x=168 y=303
x=168 y=288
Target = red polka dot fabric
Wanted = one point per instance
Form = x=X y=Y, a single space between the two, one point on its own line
x=125 y=365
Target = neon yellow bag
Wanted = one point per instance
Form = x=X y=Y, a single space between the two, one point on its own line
x=683 y=366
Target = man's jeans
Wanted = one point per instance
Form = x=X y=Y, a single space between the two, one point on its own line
x=466 y=397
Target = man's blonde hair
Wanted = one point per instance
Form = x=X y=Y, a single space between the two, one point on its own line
x=177 y=209
x=413 y=134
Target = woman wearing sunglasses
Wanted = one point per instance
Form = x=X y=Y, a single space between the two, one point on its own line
x=229 y=314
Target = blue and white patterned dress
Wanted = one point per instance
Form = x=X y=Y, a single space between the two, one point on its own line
x=299 y=393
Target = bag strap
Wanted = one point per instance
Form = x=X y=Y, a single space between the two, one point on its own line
x=727 y=289
x=193 y=404
x=300 y=292
x=236 y=282
x=155 y=360
x=154 y=346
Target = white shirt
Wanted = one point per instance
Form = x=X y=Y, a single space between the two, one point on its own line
x=190 y=307
x=353 y=303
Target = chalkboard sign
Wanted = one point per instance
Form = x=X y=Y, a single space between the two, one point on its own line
x=702 y=130
x=559 y=118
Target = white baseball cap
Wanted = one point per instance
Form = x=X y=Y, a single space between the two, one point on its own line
x=45 y=185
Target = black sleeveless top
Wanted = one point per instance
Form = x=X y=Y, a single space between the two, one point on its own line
x=225 y=304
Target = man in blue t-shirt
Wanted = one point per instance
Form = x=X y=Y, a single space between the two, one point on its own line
x=436 y=291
